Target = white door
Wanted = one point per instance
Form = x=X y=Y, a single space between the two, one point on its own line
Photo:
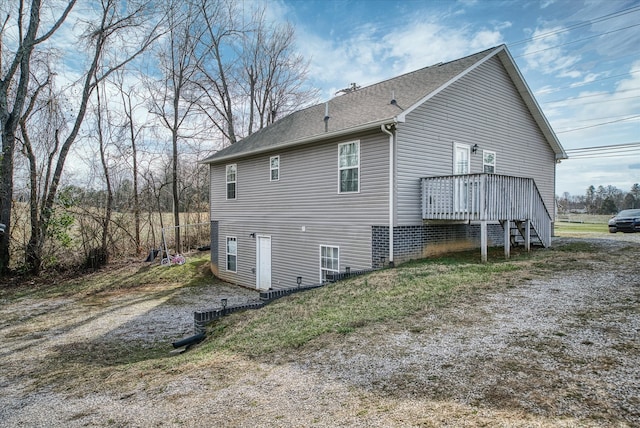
x=263 y=262
x=461 y=165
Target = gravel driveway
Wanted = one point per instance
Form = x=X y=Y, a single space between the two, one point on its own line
x=559 y=351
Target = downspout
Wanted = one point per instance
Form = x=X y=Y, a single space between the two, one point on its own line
x=385 y=129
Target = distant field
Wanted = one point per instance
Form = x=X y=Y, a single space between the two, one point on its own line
x=569 y=229
x=583 y=218
x=580 y=224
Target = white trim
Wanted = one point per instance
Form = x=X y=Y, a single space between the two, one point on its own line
x=271 y=168
x=357 y=143
x=489 y=164
x=391 y=189
x=467 y=147
x=258 y=257
x=402 y=116
x=320 y=260
x=227 y=254
x=508 y=62
x=531 y=102
x=227 y=182
x=300 y=141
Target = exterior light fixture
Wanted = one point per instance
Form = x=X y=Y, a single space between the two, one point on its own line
x=474 y=148
x=252 y=235
x=299 y=281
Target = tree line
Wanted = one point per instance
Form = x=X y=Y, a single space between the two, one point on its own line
x=151 y=89
x=601 y=200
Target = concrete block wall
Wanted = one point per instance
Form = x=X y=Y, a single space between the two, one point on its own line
x=414 y=242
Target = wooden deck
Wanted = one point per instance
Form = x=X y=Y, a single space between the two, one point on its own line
x=513 y=201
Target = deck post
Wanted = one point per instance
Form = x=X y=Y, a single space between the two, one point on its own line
x=527 y=235
x=507 y=239
x=483 y=240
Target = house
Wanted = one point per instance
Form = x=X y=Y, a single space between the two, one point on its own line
x=453 y=156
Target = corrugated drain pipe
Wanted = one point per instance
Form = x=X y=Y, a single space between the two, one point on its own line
x=387 y=129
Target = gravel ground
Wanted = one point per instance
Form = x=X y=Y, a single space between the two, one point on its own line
x=561 y=351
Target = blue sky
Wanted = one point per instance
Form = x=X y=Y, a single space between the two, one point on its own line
x=580 y=58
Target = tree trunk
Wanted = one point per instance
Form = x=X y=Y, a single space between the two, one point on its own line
x=104 y=251
x=6 y=194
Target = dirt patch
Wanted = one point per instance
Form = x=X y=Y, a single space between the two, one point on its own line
x=559 y=349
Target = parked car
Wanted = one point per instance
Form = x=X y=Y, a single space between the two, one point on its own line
x=625 y=221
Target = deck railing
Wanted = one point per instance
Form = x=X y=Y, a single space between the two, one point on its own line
x=486 y=197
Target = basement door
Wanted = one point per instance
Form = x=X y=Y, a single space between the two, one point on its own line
x=263 y=262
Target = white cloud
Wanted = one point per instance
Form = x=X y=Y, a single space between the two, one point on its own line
x=545 y=54
x=574 y=176
x=368 y=55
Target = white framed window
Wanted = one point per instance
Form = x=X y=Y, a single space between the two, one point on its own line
x=349 y=167
x=232 y=254
x=274 y=168
x=232 y=181
x=488 y=162
x=329 y=261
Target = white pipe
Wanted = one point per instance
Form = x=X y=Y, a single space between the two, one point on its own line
x=391 y=190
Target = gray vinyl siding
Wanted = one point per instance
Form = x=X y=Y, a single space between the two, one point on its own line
x=482 y=108
x=293 y=252
x=306 y=195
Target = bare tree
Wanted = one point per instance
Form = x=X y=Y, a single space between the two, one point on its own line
x=218 y=44
x=275 y=73
x=101 y=256
x=251 y=74
x=14 y=96
x=134 y=130
x=172 y=98
x=117 y=25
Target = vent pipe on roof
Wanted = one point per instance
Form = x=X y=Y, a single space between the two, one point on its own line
x=326 y=116
x=393 y=97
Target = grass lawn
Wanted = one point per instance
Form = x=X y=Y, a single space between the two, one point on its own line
x=46 y=322
x=577 y=229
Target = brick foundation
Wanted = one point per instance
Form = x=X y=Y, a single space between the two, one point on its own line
x=214 y=247
x=414 y=242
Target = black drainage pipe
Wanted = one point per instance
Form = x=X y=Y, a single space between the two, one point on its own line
x=189 y=341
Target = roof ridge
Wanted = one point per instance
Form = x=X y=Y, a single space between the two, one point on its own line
x=408 y=73
x=372 y=105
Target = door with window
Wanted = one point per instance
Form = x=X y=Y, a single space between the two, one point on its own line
x=263 y=262
x=461 y=166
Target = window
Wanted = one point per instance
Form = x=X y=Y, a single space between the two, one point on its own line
x=488 y=162
x=329 y=261
x=232 y=254
x=232 y=177
x=349 y=166
x=274 y=166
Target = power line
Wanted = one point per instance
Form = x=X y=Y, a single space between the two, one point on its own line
x=610 y=146
x=620 y=152
x=605 y=156
x=577 y=41
x=580 y=25
x=599 y=118
x=577 y=85
x=599 y=124
x=603 y=94
x=609 y=151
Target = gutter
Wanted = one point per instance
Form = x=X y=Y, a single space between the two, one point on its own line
x=386 y=129
x=300 y=141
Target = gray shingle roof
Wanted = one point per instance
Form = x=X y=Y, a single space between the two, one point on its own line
x=365 y=108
